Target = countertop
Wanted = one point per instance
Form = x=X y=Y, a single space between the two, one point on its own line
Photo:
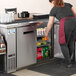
x=24 y=22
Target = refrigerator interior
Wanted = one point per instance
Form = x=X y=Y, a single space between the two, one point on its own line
x=42 y=50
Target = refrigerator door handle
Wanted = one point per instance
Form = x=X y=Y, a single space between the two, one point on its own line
x=28 y=32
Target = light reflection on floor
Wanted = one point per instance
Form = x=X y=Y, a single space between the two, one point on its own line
x=26 y=72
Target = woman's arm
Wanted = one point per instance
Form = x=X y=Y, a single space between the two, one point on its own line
x=74 y=11
x=49 y=25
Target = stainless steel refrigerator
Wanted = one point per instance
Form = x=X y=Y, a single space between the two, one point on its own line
x=21 y=45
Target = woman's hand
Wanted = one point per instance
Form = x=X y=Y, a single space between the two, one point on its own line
x=39 y=23
x=46 y=34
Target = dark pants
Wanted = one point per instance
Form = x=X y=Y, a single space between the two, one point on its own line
x=69 y=48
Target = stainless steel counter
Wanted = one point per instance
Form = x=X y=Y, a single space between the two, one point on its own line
x=21 y=23
x=16 y=25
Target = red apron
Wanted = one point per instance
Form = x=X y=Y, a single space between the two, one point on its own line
x=62 y=39
x=61 y=31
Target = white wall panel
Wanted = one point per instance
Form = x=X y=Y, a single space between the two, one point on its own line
x=37 y=6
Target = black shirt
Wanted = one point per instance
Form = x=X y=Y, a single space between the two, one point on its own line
x=61 y=12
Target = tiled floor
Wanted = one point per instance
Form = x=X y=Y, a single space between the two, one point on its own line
x=27 y=72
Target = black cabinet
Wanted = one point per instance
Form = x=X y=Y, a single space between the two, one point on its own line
x=2 y=62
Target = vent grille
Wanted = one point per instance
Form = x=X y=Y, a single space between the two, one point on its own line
x=11 y=63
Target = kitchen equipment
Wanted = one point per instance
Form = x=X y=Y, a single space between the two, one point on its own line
x=6 y=17
x=21 y=45
x=13 y=10
x=21 y=41
x=40 y=16
x=10 y=38
x=23 y=14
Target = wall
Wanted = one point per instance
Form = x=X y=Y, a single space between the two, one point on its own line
x=37 y=6
x=73 y=2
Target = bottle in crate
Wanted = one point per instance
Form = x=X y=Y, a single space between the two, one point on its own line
x=39 y=53
x=45 y=52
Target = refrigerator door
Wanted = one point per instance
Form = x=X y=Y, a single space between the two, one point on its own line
x=57 y=49
x=26 y=46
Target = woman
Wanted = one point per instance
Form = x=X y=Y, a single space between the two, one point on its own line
x=66 y=14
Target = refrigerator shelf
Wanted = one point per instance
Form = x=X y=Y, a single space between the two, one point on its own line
x=40 y=36
x=43 y=45
x=2 y=53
